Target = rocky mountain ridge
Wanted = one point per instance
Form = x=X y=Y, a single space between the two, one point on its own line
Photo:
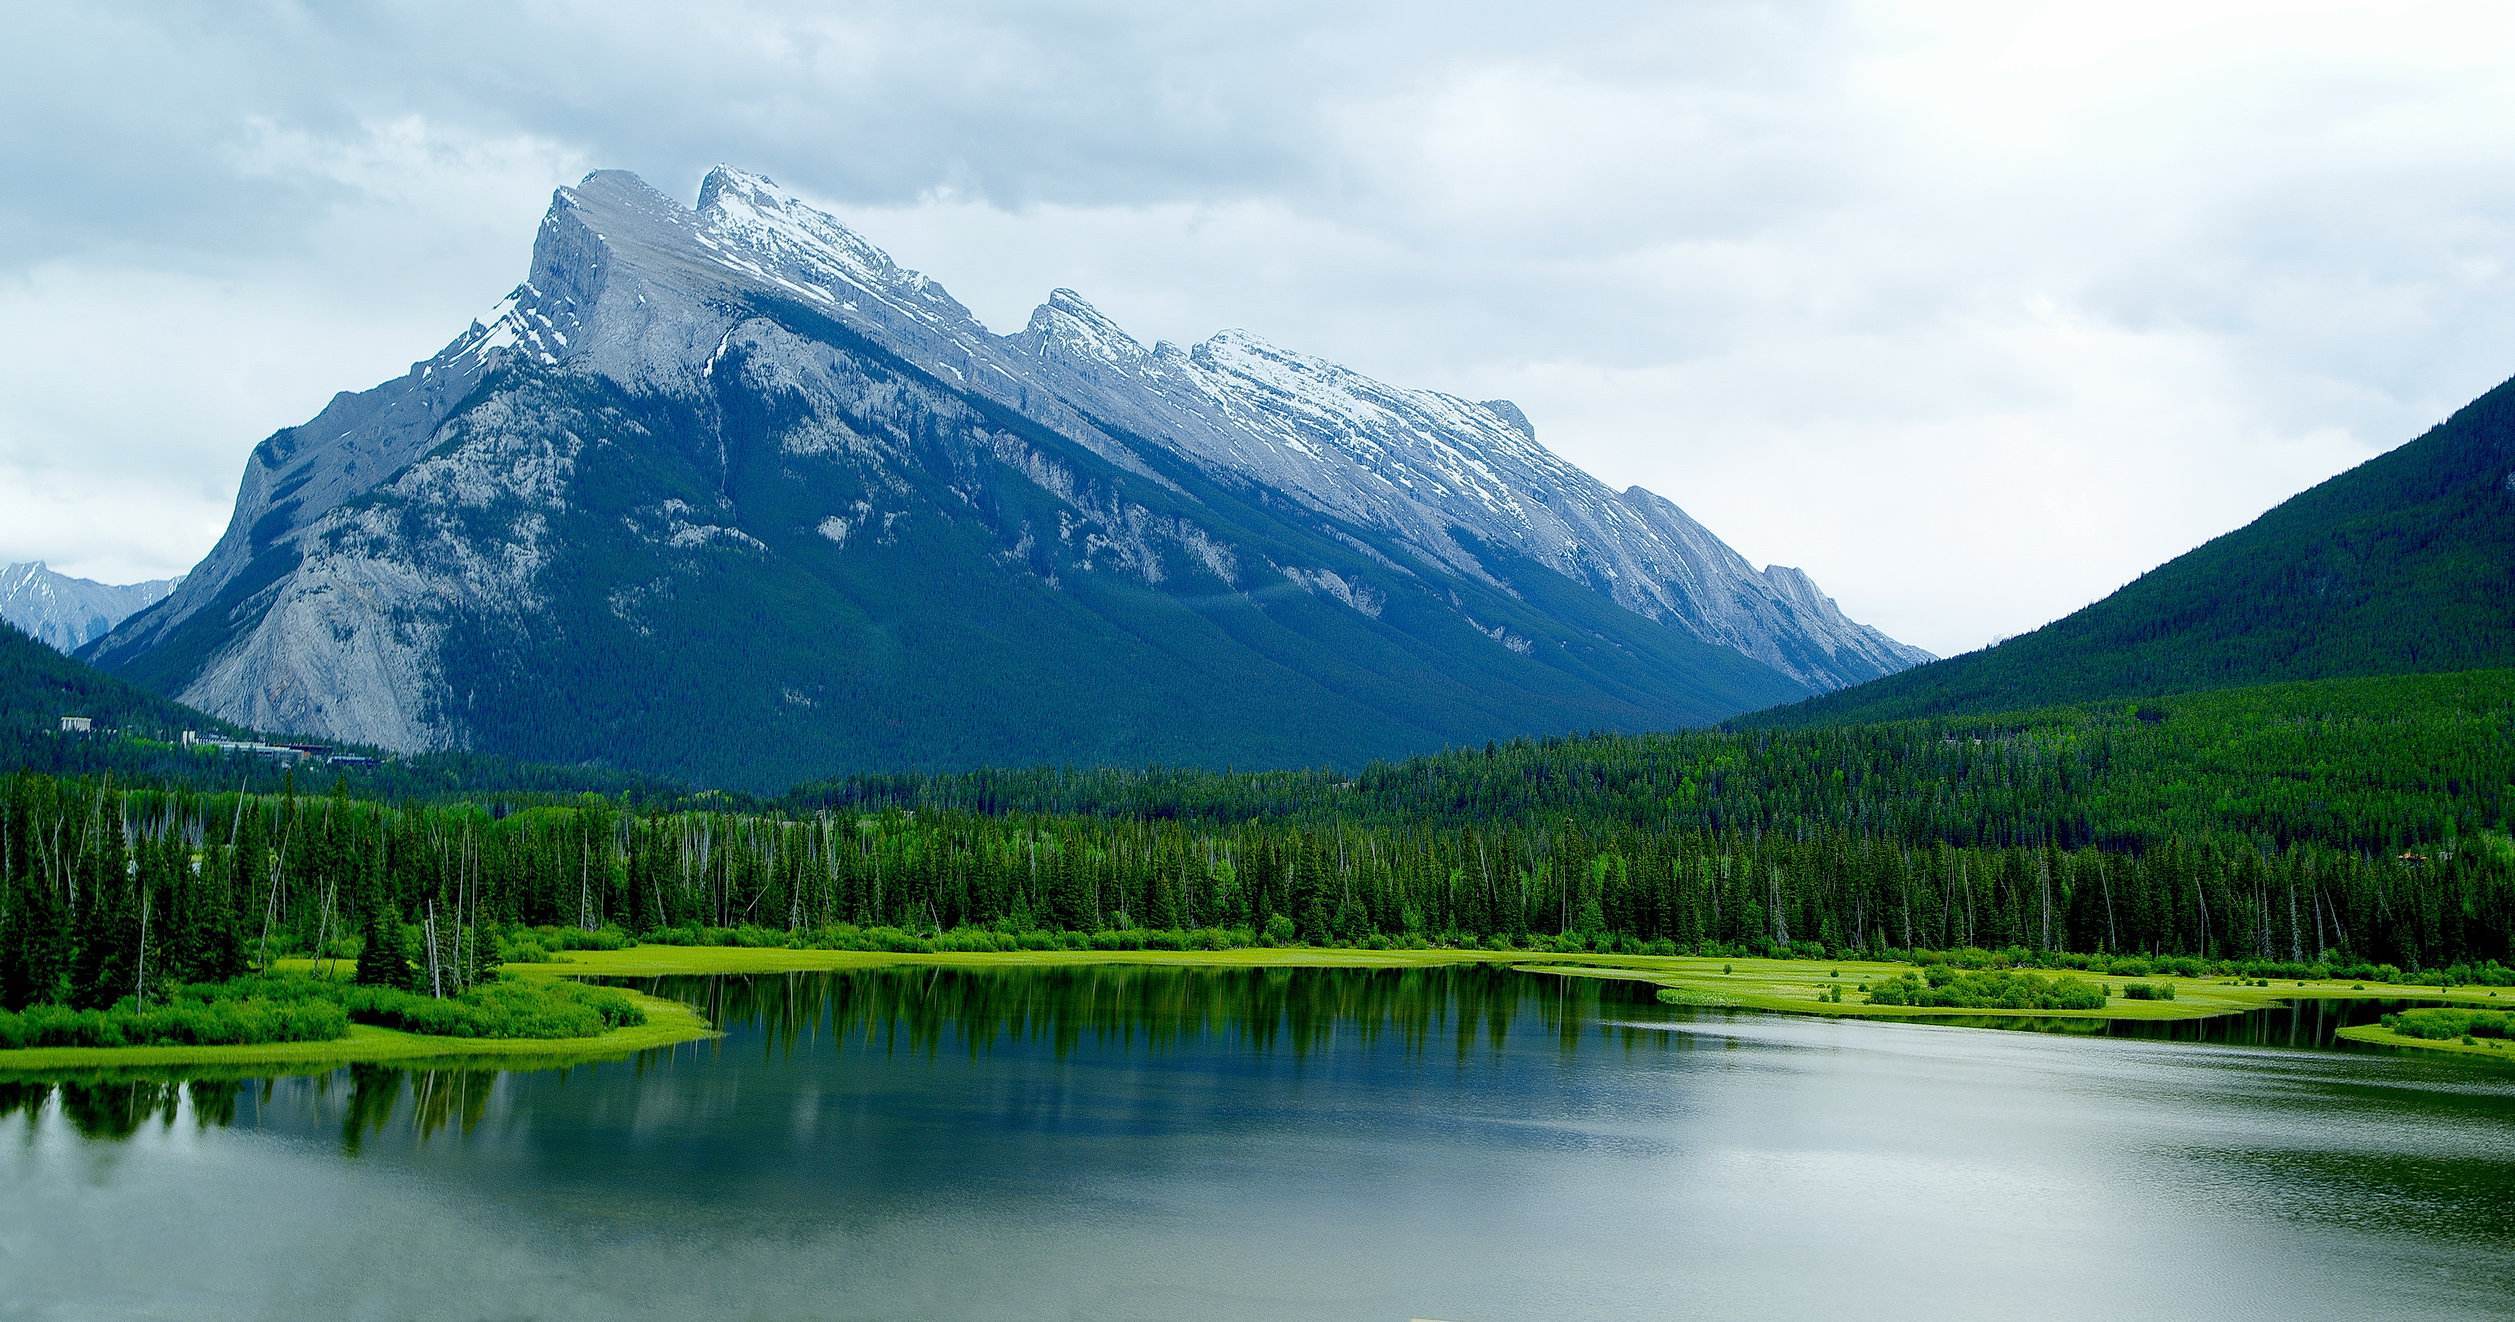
x=675 y=393
x=65 y=613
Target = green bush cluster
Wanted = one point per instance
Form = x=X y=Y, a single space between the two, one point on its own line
x=2446 y=1023
x=507 y=1008
x=2148 y=991
x=289 y=1008
x=197 y=1017
x=1988 y=989
x=609 y=936
x=548 y=943
x=218 y=1024
x=523 y=948
x=2485 y=973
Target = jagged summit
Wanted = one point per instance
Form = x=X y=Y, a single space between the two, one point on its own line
x=1511 y=415
x=726 y=177
x=1067 y=325
x=63 y=612
x=735 y=455
x=750 y=214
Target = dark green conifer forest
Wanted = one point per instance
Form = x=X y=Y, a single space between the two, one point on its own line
x=2336 y=823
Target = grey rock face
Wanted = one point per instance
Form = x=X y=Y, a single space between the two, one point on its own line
x=65 y=613
x=364 y=539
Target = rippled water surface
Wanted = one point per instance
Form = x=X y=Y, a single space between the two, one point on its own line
x=1132 y=1142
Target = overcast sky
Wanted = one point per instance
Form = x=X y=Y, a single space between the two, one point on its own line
x=1972 y=311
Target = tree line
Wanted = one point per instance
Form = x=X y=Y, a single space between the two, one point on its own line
x=110 y=892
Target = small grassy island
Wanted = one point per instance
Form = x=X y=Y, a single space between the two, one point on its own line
x=2443 y=1028
x=295 y=1017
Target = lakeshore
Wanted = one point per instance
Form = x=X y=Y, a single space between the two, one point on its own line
x=1778 y=986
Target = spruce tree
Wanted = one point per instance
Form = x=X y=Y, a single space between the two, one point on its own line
x=34 y=947
x=218 y=941
x=380 y=959
x=106 y=926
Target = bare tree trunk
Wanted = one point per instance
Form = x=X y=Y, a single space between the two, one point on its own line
x=2043 y=872
x=139 y=979
x=436 y=981
x=2200 y=897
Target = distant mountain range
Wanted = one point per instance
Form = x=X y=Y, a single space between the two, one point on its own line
x=2404 y=564
x=66 y=613
x=725 y=493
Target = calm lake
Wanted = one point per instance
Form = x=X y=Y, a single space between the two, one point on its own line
x=1130 y=1142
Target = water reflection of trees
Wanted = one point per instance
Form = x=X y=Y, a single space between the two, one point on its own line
x=1466 y=1011
x=117 y=1108
x=371 y=1098
x=438 y=1098
x=1157 y=1010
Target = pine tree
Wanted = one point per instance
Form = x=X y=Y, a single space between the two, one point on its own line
x=381 y=962
x=218 y=941
x=163 y=952
x=34 y=947
x=106 y=926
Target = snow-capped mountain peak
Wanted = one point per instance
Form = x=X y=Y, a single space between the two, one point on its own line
x=64 y=613
x=747 y=407
x=1510 y=415
x=1069 y=326
x=771 y=232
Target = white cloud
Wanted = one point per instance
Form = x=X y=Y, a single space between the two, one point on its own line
x=2084 y=453
x=132 y=385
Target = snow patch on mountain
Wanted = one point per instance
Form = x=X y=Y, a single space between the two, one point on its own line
x=63 y=612
x=363 y=541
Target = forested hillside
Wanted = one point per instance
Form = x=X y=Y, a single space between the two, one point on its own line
x=2359 y=820
x=138 y=739
x=2401 y=565
x=2367 y=765
x=39 y=686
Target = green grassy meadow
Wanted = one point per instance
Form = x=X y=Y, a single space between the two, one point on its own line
x=1793 y=986
x=667 y=1022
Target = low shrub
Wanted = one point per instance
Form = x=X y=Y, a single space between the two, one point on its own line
x=287 y=1008
x=2452 y=1023
x=523 y=948
x=606 y=937
x=188 y=1016
x=1940 y=986
x=507 y=1008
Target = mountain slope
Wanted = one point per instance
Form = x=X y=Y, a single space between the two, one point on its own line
x=726 y=493
x=64 y=613
x=2404 y=564
x=39 y=686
